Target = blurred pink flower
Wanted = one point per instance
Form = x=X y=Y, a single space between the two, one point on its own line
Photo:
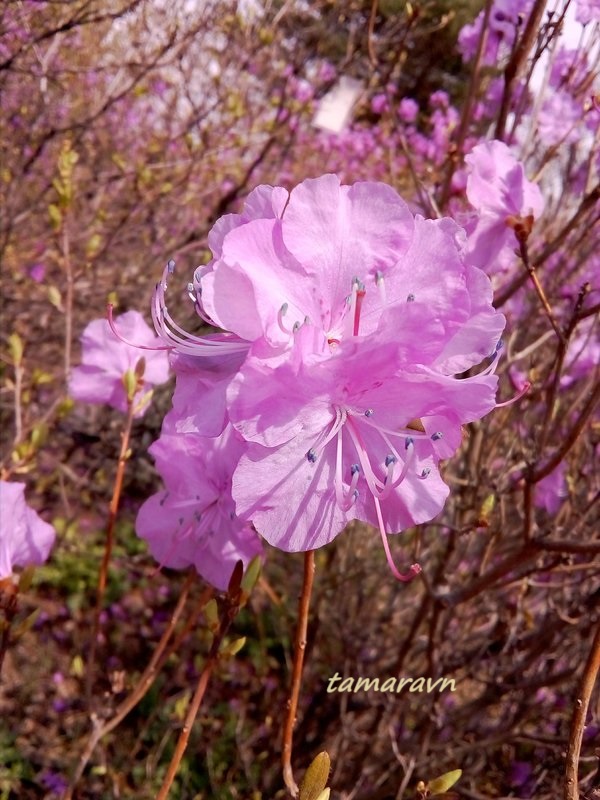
x=497 y=189
x=25 y=539
x=107 y=358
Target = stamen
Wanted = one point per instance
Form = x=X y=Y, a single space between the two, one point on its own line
x=280 y=315
x=345 y=503
x=414 y=570
x=111 y=322
x=523 y=391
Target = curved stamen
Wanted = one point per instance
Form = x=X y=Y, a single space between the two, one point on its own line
x=522 y=391
x=366 y=418
x=389 y=485
x=414 y=570
x=345 y=502
x=318 y=447
x=111 y=322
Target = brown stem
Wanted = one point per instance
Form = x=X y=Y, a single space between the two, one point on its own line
x=211 y=662
x=517 y=60
x=299 y=649
x=143 y=685
x=468 y=105
x=66 y=254
x=8 y=606
x=582 y=702
x=108 y=545
x=524 y=253
x=570 y=439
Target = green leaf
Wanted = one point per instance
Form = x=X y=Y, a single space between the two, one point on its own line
x=55 y=297
x=251 y=575
x=55 y=216
x=130 y=382
x=211 y=615
x=313 y=784
x=77 y=668
x=232 y=648
x=16 y=347
x=444 y=782
x=93 y=246
x=39 y=435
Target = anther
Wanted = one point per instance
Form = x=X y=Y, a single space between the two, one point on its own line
x=369 y=412
x=354 y=469
x=408 y=441
x=390 y=459
x=435 y=437
x=425 y=472
x=311 y=455
x=171 y=266
x=296 y=327
x=410 y=298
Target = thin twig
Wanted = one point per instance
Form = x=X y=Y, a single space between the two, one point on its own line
x=516 y=63
x=108 y=545
x=582 y=702
x=141 y=688
x=231 y=610
x=300 y=647
x=465 y=118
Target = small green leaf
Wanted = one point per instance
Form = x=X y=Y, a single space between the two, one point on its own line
x=77 y=668
x=211 y=615
x=251 y=575
x=130 y=382
x=232 y=648
x=444 y=782
x=181 y=705
x=93 y=246
x=16 y=347
x=55 y=216
x=313 y=784
x=55 y=297
x=39 y=435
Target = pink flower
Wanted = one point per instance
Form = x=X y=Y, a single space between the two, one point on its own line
x=498 y=189
x=193 y=520
x=106 y=359
x=25 y=539
x=349 y=318
x=552 y=490
x=587 y=11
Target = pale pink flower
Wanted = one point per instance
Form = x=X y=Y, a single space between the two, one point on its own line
x=25 y=539
x=106 y=359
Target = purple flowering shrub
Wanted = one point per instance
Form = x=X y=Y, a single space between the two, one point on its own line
x=388 y=354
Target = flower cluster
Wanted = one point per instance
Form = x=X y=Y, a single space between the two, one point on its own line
x=332 y=392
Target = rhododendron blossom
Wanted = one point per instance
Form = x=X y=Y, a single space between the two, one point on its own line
x=25 y=539
x=193 y=521
x=345 y=320
x=498 y=190
x=107 y=358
